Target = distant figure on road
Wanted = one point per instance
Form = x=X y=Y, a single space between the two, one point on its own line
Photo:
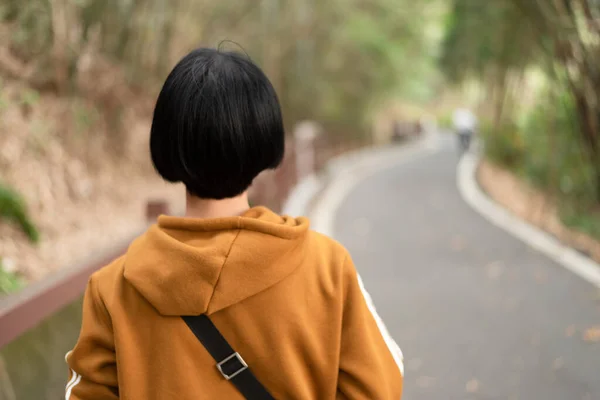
x=228 y=301
x=465 y=123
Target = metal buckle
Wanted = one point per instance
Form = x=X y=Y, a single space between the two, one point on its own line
x=231 y=357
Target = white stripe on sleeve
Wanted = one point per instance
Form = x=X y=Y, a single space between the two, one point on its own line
x=75 y=379
x=391 y=344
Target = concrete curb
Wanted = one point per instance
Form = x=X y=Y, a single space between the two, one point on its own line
x=536 y=238
x=301 y=195
x=343 y=173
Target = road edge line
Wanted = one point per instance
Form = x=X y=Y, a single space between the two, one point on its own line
x=299 y=199
x=536 y=238
x=350 y=171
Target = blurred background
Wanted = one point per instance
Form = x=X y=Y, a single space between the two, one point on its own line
x=78 y=81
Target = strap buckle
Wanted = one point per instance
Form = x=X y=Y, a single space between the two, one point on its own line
x=226 y=372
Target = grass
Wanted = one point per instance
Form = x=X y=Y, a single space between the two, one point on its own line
x=9 y=282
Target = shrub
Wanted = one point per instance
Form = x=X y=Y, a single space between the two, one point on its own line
x=503 y=143
x=554 y=157
x=12 y=207
x=583 y=219
x=9 y=282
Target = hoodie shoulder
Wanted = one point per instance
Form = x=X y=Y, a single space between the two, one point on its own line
x=330 y=253
x=107 y=278
x=327 y=246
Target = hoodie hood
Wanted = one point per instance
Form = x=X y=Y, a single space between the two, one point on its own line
x=189 y=266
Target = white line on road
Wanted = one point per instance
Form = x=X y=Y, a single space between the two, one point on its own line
x=302 y=194
x=543 y=242
x=347 y=171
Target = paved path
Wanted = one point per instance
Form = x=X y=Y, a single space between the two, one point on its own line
x=477 y=313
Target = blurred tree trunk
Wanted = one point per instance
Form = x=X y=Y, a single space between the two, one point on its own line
x=127 y=27
x=328 y=60
x=166 y=39
x=60 y=43
x=271 y=41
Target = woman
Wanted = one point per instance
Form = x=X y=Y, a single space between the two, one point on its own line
x=288 y=300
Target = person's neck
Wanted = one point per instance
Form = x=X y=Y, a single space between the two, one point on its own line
x=207 y=208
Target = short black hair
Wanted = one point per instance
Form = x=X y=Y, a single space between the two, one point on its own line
x=217 y=124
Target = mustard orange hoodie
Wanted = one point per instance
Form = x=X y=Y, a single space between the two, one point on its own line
x=287 y=299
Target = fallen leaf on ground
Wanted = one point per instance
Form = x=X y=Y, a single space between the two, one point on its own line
x=425 y=381
x=592 y=334
x=494 y=269
x=558 y=363
x=414 y=364
x=458 y=243
x=540 y=276
x=472 y=386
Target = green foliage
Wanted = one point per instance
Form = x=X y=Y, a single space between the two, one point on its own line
x=544 y=150
x=32 y=25
x=12 y=207
x=9 y=282
x=358 y=54
x=330 y=61
x=30 y=97
x=555 y=160
x=556 y=146
x=483 y=37
x=84 y=116
x=582 y=219
x=444 y=121
x=503 y=144
x=4 y=102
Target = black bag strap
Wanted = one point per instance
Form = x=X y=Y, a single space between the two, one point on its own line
x=229 y=362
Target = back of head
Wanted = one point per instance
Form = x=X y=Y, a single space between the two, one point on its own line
x=217 y=124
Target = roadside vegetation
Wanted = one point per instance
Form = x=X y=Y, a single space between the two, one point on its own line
x=536 y=65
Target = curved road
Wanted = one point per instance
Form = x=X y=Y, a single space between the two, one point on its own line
x=477 y=313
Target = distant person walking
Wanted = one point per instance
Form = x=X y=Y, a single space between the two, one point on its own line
x=228 y=302
x=465 y=124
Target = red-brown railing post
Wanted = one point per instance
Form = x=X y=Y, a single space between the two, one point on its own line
x=305 y=135
x=154 y=208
